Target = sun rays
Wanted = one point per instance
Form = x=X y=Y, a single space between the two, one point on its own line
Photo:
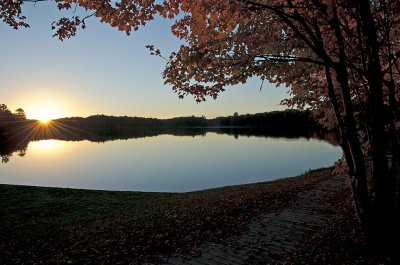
x=45 y=111
x=26 y=131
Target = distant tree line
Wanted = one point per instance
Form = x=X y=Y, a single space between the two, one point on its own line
x=128 y=127
x=16 y=131
x=102 y=127
x=10 y=120
x=7 y=115
x=10 y=123
x=287 y=119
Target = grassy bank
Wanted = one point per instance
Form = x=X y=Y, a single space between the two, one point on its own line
x=69 y=225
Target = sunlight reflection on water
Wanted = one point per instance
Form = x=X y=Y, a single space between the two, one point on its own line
x=46 y=146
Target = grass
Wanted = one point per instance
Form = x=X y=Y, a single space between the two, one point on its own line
x=42 y=225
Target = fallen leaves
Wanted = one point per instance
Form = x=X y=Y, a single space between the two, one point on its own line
x=69 y=226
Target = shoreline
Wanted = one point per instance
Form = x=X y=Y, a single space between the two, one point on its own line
x=166 y=192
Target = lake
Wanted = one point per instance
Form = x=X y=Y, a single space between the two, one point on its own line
x=165 y=162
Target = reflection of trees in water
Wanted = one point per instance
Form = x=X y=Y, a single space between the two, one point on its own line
x=328 y=136
x=6 y=155
x=10 y=145
x=15 y=139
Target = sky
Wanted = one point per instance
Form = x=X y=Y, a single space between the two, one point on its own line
x=103 y=71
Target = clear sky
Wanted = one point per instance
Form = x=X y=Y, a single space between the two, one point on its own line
x=103 y=71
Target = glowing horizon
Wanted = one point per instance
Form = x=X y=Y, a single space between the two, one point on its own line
x=44 y=112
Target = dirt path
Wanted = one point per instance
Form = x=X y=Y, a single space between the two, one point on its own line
x=268 y=235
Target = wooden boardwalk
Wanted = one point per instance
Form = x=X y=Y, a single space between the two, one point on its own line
x=272 y=234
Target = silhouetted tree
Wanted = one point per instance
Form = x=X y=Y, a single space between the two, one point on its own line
x=20 y=113
x=4 y=111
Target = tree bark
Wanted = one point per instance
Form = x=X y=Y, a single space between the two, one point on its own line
x=384 y=217
x=358 y=172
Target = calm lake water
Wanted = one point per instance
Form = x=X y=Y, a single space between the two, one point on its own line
x=166 y=163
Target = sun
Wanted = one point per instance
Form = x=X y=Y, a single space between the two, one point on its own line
x=45 y=112
x=44 y=115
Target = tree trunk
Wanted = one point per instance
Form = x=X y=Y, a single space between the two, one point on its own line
x=382 y=226
x=357 y=163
